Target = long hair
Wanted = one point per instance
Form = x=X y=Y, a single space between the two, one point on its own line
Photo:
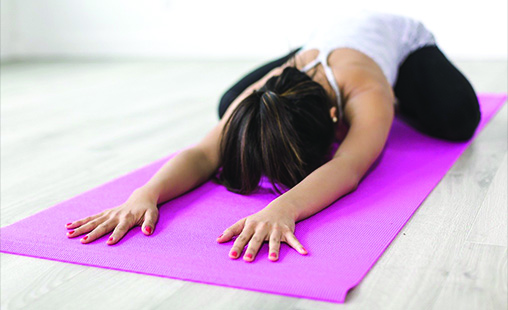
x=283 y=131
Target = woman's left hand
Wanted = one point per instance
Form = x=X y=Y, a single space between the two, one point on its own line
x=274 y=223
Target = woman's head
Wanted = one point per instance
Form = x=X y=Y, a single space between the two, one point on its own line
x=283 y=131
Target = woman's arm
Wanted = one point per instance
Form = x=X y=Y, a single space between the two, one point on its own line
x=181 y=173
x=370 y=114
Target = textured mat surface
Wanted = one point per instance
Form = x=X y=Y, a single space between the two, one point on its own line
x=344 y=240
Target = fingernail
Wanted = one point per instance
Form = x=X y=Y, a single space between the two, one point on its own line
x=303 y=249
x=220 y=236
x=110 y=239
x=148 y=229
x=69 y=224
x=249 y=255
x=84 y=238
x=234 y=253
x=273 y=254
x=71 y=232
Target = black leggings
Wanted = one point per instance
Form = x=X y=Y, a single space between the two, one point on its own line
x=433 y=95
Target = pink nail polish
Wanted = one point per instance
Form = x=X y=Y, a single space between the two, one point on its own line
x=249 y=255
x=85 y=237
x=71 y=232
x=220 y=236
x=273 y=254
x=69 y=224
x=148 y=229
x=234 y=253
x=303 y=249
x=110 y=239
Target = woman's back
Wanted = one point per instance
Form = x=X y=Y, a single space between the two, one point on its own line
x=351 y=53
x=386 y=38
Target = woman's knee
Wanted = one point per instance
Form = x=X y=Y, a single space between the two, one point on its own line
x=225 y=101
x=460 y=124
x=438 y=95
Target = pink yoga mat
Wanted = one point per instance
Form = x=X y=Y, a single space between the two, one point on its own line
x=344 y=240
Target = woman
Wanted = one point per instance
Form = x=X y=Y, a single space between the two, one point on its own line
x=281 y=119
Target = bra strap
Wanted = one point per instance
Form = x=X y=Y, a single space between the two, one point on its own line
x=311 y=64
x=322 y=58
x=333 y=83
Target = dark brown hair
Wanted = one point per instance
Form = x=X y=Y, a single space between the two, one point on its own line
x=283 y=131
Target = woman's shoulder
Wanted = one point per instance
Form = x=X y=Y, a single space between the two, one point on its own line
x=355 y=70
x=349 y=66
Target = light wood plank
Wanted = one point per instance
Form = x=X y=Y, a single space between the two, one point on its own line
x=491 y=222
x=478 y=279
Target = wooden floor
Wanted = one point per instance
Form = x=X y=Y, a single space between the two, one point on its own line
x=69 y=126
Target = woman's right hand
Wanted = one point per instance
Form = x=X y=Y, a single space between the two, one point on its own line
x=138 y=210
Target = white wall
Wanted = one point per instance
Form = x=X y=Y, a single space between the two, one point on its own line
x=226 y=28
x=7 y=24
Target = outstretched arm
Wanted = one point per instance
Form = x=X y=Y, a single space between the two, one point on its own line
x=370 y=114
